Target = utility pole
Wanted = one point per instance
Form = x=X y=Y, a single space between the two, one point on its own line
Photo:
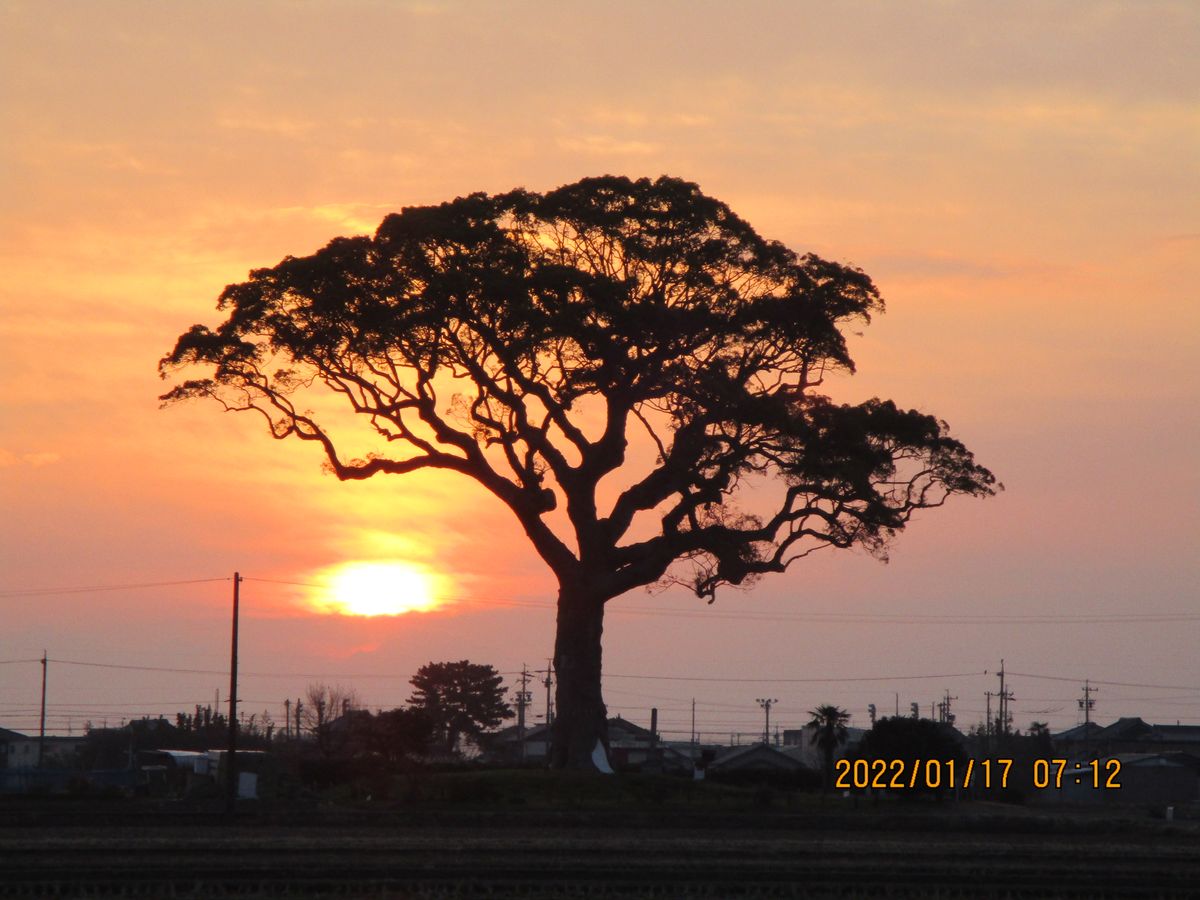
x=765 y=703
x=287 y=719
x=693 y=734
x=988 y=725
x=1004 y=720
x=231 y=763
x=524 y=699
x=298 y=706
x=944 y=714
x=549 y=682
x=42 y=725
x=1086 y=703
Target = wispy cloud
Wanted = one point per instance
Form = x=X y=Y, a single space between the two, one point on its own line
x=282 y=126
x=607 y=145
x=35 y=460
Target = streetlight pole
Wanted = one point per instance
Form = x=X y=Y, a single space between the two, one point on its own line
x=765 y=703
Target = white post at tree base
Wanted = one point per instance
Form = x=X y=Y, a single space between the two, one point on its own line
x=600 y=759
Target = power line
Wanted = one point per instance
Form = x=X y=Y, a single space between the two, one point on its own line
x=37 y=592
x=834 y=618
x=689 y=678
x=869 y=618
x=792 y=680
x=1165 y=687
x=282 y=581
x=742 y=615
x=99 y=665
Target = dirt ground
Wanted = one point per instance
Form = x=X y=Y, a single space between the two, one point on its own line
x=468 y=855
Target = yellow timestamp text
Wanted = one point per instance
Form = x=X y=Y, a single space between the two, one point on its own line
x=937 y=774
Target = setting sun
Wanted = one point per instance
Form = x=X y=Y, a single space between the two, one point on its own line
x=378 y=589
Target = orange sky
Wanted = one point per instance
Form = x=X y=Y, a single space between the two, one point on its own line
x=1021 y=181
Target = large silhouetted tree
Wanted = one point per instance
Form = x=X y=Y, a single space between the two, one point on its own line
x=626 y=365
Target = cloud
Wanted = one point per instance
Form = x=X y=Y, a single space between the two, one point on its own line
x=1180 y=240
x=360 y=650
x=955 y=266
x=604 y=145
x=35 y=460
x=276 y=125
x=356 y=217
x=113 y=156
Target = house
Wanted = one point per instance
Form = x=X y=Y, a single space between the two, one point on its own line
x=1178 y=738
x=20 y=772
x=1156 y=779
x=510 y=747
x=799 y=743
x=1128 y=734
x=1142 y=779
x=17 y=751
x=754 y=758
x=757 y=763
x=632 y=747
x=1079 y=736
x=20 y=751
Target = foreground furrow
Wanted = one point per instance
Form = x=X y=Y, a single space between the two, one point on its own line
x=548 y=863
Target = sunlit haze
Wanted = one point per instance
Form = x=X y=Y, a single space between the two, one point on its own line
x=375 y=589
x=1021 y=180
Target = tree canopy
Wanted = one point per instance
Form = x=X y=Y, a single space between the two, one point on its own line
x=461 y=699
x=914 y=741
x=540 y=343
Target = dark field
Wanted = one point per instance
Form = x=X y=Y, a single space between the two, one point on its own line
x=959 y=852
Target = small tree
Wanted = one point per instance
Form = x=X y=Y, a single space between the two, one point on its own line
x=829 y=732
x=461 y=698
x=626 y=365
x=322 y=706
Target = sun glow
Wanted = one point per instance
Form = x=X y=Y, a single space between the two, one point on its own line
x=378 y=589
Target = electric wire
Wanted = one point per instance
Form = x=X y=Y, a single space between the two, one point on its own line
x=35 y=592
x=1165 y=687
x=639 y=676
x=742 y=615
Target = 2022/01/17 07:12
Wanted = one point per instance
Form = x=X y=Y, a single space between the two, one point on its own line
x=933 y=774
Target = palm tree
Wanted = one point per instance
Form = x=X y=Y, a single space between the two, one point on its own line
x=829 y=731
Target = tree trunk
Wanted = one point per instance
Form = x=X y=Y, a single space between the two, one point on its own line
x=581 y=719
